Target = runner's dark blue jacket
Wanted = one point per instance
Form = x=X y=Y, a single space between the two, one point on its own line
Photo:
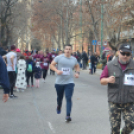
x=4 y=81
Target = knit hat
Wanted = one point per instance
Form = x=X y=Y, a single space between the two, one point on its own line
x=17 y=50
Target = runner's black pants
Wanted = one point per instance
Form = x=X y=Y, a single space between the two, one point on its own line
x=12 y=79
x=44 y=73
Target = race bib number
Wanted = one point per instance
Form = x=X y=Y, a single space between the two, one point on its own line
x=129 y=79
x=45 y=64
x=66 y=71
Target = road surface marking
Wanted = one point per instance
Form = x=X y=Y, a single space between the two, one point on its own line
x=51 y=127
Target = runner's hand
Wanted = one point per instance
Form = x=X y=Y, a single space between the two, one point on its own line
x=111 y=79
x=59 y=72
x=76 y=75
x=5 y=97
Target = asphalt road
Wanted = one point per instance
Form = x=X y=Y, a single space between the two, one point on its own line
x=34 y=112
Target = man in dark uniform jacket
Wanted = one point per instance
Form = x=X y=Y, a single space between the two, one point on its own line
x=4 y=81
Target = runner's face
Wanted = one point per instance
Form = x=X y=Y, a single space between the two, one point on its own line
x=68 y=50
x=124 y=58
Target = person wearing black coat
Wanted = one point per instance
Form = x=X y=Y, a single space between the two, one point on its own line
x=93 y=60
x=84 y=60
x=79 y=58
x=103 y=60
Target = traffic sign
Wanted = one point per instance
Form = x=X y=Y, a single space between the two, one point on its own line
x=94 y=42
x=104 y=43
x=98 y=42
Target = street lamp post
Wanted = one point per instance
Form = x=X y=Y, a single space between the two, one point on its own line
x=67 y=22
x=101 y=27
x=81 y=23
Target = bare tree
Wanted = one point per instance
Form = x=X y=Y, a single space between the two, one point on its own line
x=13 y=19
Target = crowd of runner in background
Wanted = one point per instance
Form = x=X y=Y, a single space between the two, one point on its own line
x=27 y=68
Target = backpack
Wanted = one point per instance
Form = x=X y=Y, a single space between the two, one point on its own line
x=29 y=68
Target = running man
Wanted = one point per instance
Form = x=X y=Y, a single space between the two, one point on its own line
x=64 y=80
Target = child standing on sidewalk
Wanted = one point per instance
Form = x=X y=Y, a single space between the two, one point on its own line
x=37 y=73
x=30 y=71
x=21 y=78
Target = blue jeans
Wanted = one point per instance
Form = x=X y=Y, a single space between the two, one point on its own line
x=93 y=68
x=80 y=65
x=68 y=89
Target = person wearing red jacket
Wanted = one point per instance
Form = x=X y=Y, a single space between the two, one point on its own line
x=27 y=54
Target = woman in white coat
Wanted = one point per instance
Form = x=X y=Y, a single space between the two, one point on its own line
x=21 y=76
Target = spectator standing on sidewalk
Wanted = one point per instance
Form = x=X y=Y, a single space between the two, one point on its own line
x=4 y=80
x=93 y=60
x=21 y=77
x=27 y=54
x=18 y=53
x=79 y=58
x=29 y=71
x=103 y=60
x=84 y=60
x=118 y=74
x=111 y=55
x=75 y=55
x=11 y=59
x=64 y=80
